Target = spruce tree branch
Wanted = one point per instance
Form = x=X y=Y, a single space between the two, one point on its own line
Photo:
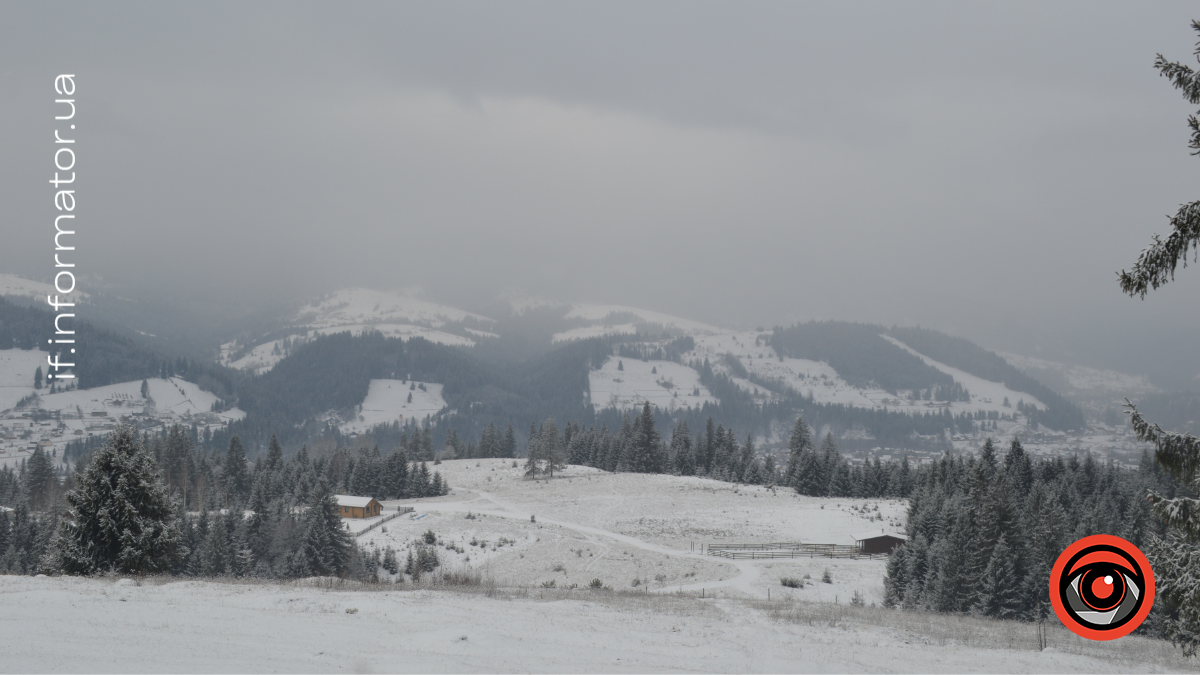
x=1182 y=77
x=1178 y=453
x=1157 y=262
x=1181 y=514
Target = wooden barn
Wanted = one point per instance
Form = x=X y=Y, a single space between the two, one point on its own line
x=872 y=543
x=350 y=506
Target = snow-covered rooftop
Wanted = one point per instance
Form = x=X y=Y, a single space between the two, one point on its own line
x=880 y=533
x=352 y=501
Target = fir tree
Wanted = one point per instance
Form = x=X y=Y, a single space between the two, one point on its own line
x=41 y=482
x=999 y=593
x=327 y=544
x=681 y=450
x=533 y=453
x=551 y=447
x=508 y=448
x=1176 y=557
x=274 y=454
x=799 y=445
x=236 y=480
x=37 y=378
x=645 y=448
x=120 y=515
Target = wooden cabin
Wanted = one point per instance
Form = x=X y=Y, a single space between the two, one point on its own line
x=350 y=506
x=878 y=542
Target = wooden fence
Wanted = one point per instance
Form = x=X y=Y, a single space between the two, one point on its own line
x=789 y=550
x=400 y=510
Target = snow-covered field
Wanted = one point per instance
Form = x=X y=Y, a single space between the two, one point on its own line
x=13 y=285
x=587 y=524
x=17 y=367
x=985 y=394
x=196 y=626
x=84 y=412
x=387 y=401
x=825 y=385
x=672 y=386
x=689 y=612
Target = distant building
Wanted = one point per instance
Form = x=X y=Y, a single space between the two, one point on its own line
x=350 y=506
x=878 y=542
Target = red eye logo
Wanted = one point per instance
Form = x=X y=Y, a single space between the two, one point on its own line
x=1102 y=587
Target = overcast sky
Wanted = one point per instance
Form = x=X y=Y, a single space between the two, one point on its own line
x=981 y=169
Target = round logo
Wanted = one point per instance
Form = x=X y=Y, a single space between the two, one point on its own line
x=1102 y=587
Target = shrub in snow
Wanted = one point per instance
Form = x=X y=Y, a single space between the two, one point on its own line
x=792 y=582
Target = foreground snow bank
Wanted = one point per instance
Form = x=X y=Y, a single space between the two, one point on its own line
x=189 y=626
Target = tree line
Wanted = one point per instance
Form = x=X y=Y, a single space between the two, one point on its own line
x=984 y=532
x=223 y=515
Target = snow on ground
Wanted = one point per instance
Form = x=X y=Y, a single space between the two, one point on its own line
x=11 y=284
x=1082 y=381
x=17 y=367
x=601 y=312
x=588 y=332
x=819 y=380
x=520 y=535
x=395 y=315
x=172 y=395
x=265 y=356
x=199 y=626
x=811 y=378
x=586 y=524
x=673 y=386
x=985 y=394
x=363 y=305
x=387 y=402
x=86 y=412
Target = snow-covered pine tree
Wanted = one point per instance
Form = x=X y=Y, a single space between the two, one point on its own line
x=120 y=517
x=389 y=561
x=682 y=457
x=533 y=453
x=645 y=450
x=551 y=446
x=1176 y=557
x=999 y=593
x=327 y=545
x=236 y=479
x=508 y=447
x=41 y=482
x=799 y=443
x=274 y=454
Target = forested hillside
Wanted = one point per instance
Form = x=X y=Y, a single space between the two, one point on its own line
x=333 y=373
x=970 y=357
x=103 y=357
x=859 y=355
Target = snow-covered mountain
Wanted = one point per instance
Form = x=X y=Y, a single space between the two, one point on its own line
x=354 y=310
x=14 y=286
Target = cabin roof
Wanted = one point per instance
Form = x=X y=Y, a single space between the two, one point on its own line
x=351 y=500
x=863 y=536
